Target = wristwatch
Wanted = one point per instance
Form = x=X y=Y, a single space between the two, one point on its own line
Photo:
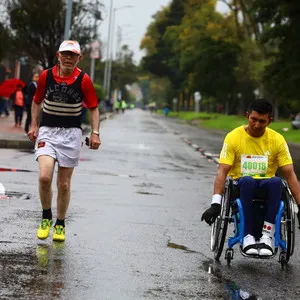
x=95 y=132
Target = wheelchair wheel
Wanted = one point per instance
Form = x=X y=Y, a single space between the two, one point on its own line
x=219 y=227
x=288 y=227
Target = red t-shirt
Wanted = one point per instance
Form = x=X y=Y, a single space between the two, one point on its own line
x=87 y=88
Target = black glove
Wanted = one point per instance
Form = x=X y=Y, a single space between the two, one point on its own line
x=298 y=215
x=210 y=215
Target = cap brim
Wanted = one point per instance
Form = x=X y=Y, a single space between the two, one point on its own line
x=74 y=51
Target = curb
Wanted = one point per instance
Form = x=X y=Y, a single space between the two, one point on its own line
x=26 y=144
x=16 y=144
x=210 y=156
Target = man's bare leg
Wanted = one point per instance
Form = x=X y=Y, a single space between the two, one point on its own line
x=46 y=169
x=63 y=199
x=63 y=191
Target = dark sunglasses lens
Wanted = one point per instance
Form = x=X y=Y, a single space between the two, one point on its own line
x=68 y=53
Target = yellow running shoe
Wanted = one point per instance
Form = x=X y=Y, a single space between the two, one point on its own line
x=44 y=229
x=59 y=233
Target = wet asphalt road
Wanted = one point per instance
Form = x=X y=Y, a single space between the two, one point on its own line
x=133 y=227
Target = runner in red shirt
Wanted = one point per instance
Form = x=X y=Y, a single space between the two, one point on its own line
x=59 y=98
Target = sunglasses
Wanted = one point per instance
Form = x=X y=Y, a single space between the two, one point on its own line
x=68 y=53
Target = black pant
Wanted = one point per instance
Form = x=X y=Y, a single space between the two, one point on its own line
x=18 y=114
x=28 y=119
x=4 y=107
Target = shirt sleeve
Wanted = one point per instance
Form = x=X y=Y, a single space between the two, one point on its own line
x=89 y=92
x=284 y=156
x=227 y=154
x=40 y=90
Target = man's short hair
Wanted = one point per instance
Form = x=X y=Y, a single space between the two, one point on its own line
x=261 y=105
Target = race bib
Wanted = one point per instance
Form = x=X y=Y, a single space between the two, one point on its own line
x=254 y=165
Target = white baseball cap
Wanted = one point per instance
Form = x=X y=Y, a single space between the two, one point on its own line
x=72 y=46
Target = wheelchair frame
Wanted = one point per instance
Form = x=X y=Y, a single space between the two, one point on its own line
x=232 y=212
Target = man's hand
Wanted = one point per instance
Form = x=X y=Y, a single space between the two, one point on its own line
x=33 y=133
x=210 y=215
x=298 y=215
x=95 y=141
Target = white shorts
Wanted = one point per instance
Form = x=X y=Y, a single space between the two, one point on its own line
x=63 y=144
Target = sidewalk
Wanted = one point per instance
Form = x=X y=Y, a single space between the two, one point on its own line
x=12 y=137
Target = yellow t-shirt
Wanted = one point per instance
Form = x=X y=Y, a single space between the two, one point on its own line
x=258 y=157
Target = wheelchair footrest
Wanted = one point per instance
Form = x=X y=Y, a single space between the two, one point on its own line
x=257 y=255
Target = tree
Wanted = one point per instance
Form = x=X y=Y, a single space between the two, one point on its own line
x=124 y=71
x=196 y=50
x=281 y=22
x=159 y=90
x=161 y=60
x=252 y=58
x=209 y=51
x=271 y=30
x=5 y=41
x=38 y=26
x=155 y=61
x=254 y=47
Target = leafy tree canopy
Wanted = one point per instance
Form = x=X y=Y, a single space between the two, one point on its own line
x=38 y=26
x=160 y=59
x=281 y=22
x=198 y=52
x=5 y=41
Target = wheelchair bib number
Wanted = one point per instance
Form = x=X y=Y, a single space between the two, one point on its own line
x=254 y=165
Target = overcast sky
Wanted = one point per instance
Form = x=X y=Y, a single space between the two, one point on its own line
x=133 y=21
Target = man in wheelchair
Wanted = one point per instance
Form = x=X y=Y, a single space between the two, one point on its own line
x=251 y=155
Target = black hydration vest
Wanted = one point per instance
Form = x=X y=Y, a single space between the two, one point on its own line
x=62 y=106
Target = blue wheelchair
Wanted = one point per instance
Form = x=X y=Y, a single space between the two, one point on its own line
x=232 y=214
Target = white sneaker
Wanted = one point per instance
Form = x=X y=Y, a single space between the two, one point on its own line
x=249 y=245
x=266 y=246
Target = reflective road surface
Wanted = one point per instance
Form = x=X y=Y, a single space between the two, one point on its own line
x=133 y=227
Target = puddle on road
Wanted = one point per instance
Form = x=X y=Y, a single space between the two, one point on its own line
x=84 y=172
x=180 y=247
x=185 y=168
x=148 y=185
x=115 y=174
x=181 y=170
x=233 y=291
x=31 y=274
x=148 y=193
x=15 y=195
